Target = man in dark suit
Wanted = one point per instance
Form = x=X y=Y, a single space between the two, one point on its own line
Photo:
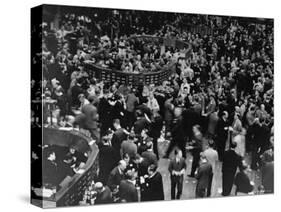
x=103 y=194
x=107 y=159
x=177 y=169
x=131 y=103
x=127 y=189
x=221 y=134
x=141 y=123
x=116 y=175
x=128 y=146
x=50 y=167
x=178 y=134
x=119 y=136
x=155 y=130
x=153 y=185
x=242 y=181
x=203 y=176
x=195 y=148
x=231 y=160
x=75 y=91
x=144 y=109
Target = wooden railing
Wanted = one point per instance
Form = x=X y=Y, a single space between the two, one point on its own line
x=71 y=193
x=134 y=79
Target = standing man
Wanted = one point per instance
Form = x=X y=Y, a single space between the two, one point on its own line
x=196 y=148
x=153 y=185
x=131 y=103
x=177 y=169
x=231 y=160
x=118 y=137
x=107 y=159
x=213 y=158
x=222 y=134
x=116 y=175
x=203 y=176
x=155 y=131
x=128 y=146
x=127 y=190
x=169 y=113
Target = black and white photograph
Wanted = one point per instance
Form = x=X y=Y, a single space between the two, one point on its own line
x=136 y=106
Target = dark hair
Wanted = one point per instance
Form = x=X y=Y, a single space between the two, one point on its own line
x=116 y=121
x=149 y=144
x=152 y=168
x=211 y=143
x=233 y=145
x=125 y=155
x=243 y=167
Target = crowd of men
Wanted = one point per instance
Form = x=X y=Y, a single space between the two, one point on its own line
x=217 y=105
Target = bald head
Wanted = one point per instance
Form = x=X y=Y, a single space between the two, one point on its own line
x=122 y=165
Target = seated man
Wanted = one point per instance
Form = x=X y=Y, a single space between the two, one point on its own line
x=75 y=159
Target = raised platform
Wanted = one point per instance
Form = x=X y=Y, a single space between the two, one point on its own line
x=134 y=79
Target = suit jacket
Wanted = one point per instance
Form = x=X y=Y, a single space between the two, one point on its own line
x=221 y=132
x=242 y=183
x=204 y=175
x=114 y=178
x=128 y=191
x=153 y=188
x=150 y=156
x=268 y=177
x=231 y=160
x=131 y=102
x=104 y=197
x=177 y=166
x=107 y=161
x=129 y=147
x=156 y=127
x=145 y=109
x=140 y=124
x=118 y=137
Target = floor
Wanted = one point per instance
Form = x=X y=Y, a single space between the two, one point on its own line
x=190 y=183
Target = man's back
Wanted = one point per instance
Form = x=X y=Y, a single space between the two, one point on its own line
x=118 y=137
x=129 y=147
x=204 y=173
x=231 y=160
x=114 y=178
x=212 y=157
x=128 y=191
x=131 y=102
x=104 y=197
x=150 y=156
